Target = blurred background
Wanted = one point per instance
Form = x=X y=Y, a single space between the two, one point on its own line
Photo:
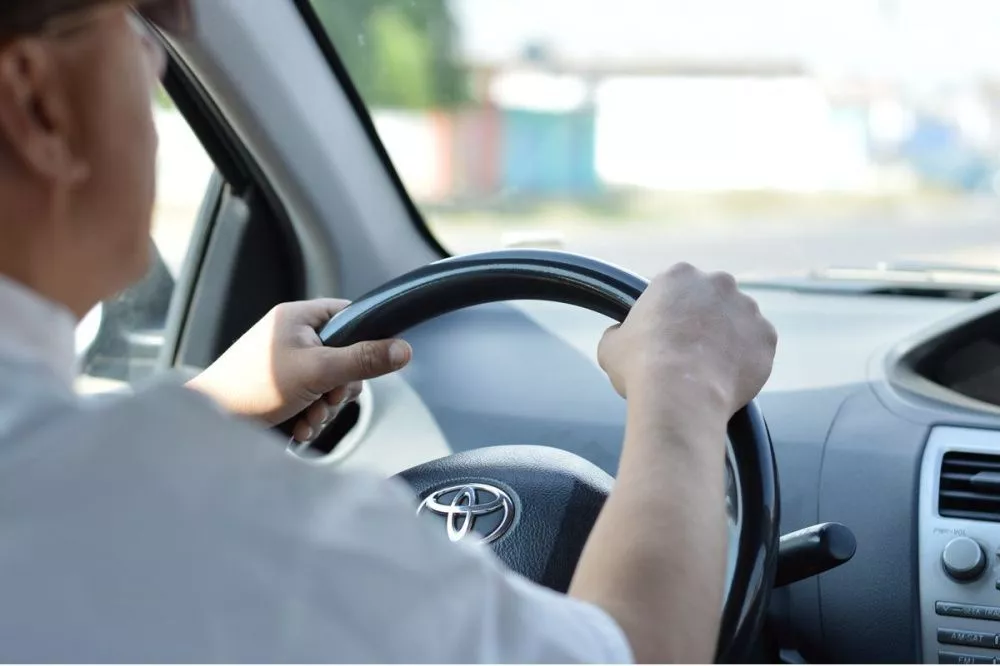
x=757 y=136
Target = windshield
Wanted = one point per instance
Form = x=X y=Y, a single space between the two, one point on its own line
x=761 y=137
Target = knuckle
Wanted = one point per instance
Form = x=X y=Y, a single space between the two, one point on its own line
x=681 y=268
x=366 y=356
x=684 y=267
x=602 y=353
x=767 y=332
x=602 y=357
x=604 y=347
x=282 y=312
x=304 y=337
x=372 y=358
x=724 y=280
x=336 y=304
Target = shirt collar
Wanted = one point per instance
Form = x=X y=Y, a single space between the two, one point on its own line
x=35 y=329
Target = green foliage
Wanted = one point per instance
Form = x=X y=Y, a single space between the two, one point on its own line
x=399 y=53
x=401 y=62
x=162 y=99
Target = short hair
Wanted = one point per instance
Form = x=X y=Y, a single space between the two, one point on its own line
x=23 y=17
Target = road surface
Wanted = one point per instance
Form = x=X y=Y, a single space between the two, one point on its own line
x=969 y=235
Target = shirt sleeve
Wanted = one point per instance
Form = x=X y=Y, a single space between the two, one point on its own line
x=152 y=528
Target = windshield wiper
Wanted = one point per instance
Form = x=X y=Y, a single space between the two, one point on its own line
x=909 y=278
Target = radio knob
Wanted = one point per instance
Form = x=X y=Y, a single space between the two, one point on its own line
x=963 y=559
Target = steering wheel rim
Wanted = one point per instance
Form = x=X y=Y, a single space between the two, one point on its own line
x=459 y=282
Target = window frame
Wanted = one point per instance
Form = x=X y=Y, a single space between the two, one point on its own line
x=344 y=80
x=240 y=178
x=235 y=177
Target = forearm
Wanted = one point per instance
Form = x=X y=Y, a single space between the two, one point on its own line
x=655 y=560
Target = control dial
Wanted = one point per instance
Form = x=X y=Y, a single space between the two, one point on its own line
x=963 y=559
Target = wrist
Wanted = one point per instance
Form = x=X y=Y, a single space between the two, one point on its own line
x=675 y=389
x=684 y=412
x=202 y=383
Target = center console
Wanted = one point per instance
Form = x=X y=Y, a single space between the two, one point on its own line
x=959 y=533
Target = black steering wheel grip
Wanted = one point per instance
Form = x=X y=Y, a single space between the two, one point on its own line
x=557 y=494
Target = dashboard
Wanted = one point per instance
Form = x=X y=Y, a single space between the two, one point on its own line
x=960 y=546
x=866 y=416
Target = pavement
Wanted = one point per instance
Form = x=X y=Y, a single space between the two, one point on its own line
x=966 y=232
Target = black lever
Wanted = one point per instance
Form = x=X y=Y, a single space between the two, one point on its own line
x=813 y=550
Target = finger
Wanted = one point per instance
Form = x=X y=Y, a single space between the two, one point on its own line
x=343 y=394
x=303 y=432
x=318 y=415
x=324 y=369
x=682 y=268
x=315 y=313
x=723 y=281
x=364 y=360
x=336 y=397
x=354 y=391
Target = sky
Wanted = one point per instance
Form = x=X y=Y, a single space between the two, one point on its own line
x=922 y=40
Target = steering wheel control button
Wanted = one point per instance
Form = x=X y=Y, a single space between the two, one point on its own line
x=963 y=559
x=945 y=657
x=471 y=510
x=967 y=611
x=970 y=638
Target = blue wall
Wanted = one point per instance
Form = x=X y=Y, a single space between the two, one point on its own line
x=545 y=153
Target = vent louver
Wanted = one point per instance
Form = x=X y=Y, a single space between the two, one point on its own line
x=969 y=486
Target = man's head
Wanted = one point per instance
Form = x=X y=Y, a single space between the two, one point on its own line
x=77 y=146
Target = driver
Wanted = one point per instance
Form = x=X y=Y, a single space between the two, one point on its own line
x=158 y=527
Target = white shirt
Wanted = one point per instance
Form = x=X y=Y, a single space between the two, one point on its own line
x=151 y=527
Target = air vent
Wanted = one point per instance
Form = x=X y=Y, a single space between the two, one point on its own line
x=970 y=486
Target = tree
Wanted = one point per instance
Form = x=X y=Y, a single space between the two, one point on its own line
x=399 y=53
x=402 y=74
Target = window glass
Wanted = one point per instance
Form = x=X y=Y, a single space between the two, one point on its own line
x=763 y=137
x=120 y=341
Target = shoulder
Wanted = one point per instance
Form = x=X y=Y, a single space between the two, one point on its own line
x=166 y=420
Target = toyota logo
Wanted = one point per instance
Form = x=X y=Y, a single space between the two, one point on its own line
x=465 y=505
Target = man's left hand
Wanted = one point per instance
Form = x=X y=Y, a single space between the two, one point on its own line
x=280 y=368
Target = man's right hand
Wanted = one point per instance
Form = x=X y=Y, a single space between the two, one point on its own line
x=690 y=354
x=691 y=334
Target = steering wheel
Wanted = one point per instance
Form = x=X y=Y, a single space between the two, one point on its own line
x=536 y=505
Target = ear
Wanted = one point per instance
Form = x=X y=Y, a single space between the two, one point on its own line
x=35 y=117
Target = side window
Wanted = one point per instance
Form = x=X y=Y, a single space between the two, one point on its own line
x=120 y=341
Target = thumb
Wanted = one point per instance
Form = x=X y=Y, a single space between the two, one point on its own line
x=367 y=360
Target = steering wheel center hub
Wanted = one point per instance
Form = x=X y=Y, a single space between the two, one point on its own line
x=471 y=505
